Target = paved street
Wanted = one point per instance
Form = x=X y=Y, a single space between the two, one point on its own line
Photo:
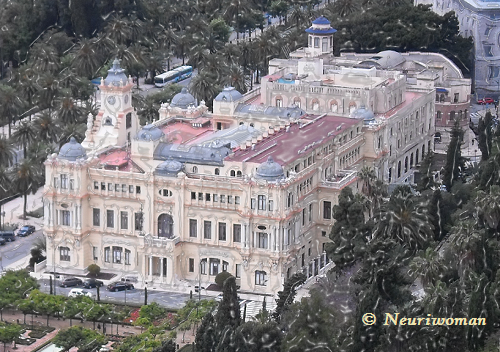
x=19 y=249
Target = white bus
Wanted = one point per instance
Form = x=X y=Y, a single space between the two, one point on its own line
x=173 y=76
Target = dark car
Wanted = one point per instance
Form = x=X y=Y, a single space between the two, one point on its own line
x=2 y=241
x=71 y=281
x=26 y=230
x=120 y=286
x=8 y=235
x=91 y=283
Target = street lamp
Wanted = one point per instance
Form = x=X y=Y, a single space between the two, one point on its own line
x=111 y=325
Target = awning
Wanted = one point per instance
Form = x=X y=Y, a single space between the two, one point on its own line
x=441 y=90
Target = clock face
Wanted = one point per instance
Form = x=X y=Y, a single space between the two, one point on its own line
x=111 y=100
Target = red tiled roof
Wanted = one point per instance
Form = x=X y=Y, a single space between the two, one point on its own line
x=284 y=146
x=182 y=132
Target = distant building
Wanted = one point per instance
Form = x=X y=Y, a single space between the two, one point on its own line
x=480 y=20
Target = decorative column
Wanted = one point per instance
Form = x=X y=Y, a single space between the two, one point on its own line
x=273 y=243
x=313 y=267
x=150 y=267
x=245 y=236
x=161 y=268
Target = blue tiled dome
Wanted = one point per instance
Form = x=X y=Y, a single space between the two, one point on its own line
x=364 y=114
x=149 y=133
x=72 y=151
x=116 y=74
x=321 y=20
x=169 y=168
x=183 y=99
x=228 y=94
x=270 y=170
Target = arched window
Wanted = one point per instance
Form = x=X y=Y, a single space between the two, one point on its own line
x=460 y=115
x=399 y=169
x=165 y=226
x=416 y=115
x=416 y=157
x=411 y=160
x=406 y=164
x=296 y=102
x=195 y=169
x=279 y=102
x=233 y=173
x=423 y=151
x=334 y=106
x=452 y=115
x=217 y=171
x=238 y=174
x=352 y=107
x=315 y=104
x=439 y=115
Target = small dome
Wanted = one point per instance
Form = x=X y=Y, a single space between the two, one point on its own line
x=228 y=94
x=149 y=133
x=116 y=75
x=72 y=150
x=183 y=99
x=364 y=114
x=169 y=168
x=270 y=170
x=321 y=20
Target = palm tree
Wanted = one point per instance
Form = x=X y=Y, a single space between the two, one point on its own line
x=73 y=129
x=11 y=104
x=27 y=84
x=235 y=78
x=50 y=87
x=46 y=126
x=87 y=58
x=6 y=152
x=298 y=16
x=198 y=55
x=24 y=134
x=39 y=150
x=68 y=110
x=345 y=7
x=405 y=220
x=26 y=178
x=118 y=30
x=203 y=87
x=181 y=46
x=427 y=266
x=465 y=239
x=45 y=58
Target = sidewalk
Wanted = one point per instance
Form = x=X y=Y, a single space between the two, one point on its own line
x=14 y=210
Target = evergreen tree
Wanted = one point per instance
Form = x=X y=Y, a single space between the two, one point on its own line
x=426 y=177
x=455 y=163
x=228 y=313
x=204 y=340
x=484 y=138
x=286 y=297
x=350 y=231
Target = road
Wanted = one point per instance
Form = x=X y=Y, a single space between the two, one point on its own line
x=14 y=251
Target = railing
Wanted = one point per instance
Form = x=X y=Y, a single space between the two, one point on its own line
x=161 y=241
x=344 y=147
x=40 y=266
x=342 y=182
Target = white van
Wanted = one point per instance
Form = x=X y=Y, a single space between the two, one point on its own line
x=76 y=292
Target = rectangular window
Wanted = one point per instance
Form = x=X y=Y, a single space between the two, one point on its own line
x=222 y=231
x=124 y=188
x=64 y=254
x=96 y=216
x=323 y=233
x=117 y=187
x=252 y=203
x=316 y=42
x=216 y=197
x=191 y=265
x=65 y=218
x=110 y=186
x=303 y=216
x=94 y=253
x=193 y=195
x=236 y=232
x=110 y=221
x=200 y=196
x=488 y=50
x=106 y=254
x=124 y=220
x=271 y=205
x=71 y=184
x=262 y=240
x=138 y=221
x=127 y=257
x=327 y=210
x=117 y=255
x=455 y=98
x=222 y=198
x=230 y=199
x=96 y=185
x=493 y=72
x=261 y=202
x=207 y=230
x=236 y=200
x=207 y=197
x=203 y=267
x=193 y=227
x=238 y=271
x=260 y=276
x=138 y=189
x=64 y=181
x=214 y=266
x=310 y=212
x=130 y=189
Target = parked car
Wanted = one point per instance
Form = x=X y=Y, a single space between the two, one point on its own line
x=71 y=281
x=485 y=101
x=120 y=286
x=26 y=230
x=76 y=292
x=2 y=241
x=91 y=283
x=8 y=235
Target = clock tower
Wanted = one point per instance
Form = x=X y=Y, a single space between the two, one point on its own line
x=116 y=122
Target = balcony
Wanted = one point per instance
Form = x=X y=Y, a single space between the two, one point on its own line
x=340 y=180
x=161 y=242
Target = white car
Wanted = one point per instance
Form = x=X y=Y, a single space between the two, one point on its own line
x=76 y=292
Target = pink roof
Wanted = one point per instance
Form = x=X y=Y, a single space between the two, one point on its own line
x=284 y=146
x=117 y=158
x=182 y=132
